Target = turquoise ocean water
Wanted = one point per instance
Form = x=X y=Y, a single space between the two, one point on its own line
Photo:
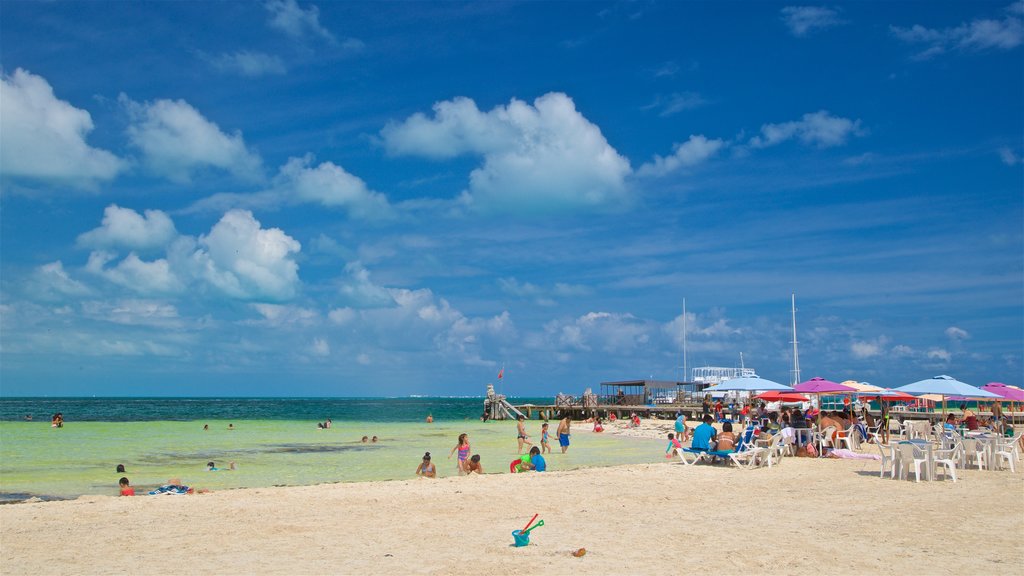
x=275 y=441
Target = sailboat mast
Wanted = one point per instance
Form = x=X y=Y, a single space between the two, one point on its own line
x=796 y=353
x=684 y=378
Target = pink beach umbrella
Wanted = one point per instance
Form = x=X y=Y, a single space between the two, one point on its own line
x=818 y=386
x=1011 y=393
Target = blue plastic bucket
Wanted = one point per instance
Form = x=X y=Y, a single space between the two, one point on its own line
x=522 y=539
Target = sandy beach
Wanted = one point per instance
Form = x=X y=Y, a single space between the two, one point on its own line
x=806 y=515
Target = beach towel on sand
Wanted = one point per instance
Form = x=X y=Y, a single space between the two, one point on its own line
x=170 y=489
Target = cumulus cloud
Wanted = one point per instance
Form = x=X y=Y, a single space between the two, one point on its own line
x=126 y=228
x=535 y=157
x=606 y=332
x=176 y=140
x=250 y=64
x=976 y=35
x=330 y=185
x=940 y=354
x=238 y=258
x=695 y=151
x=246 y=261
x=288 y=17
x=299 y=182
x=803 y=20
x=144 y=277
x=391 y=318
x=43 y=137
x=820 y=129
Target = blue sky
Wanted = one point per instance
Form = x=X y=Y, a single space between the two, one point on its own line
x=345 y=198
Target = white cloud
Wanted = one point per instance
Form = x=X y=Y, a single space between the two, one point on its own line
x=361 y=291
x=865 y=349
x=341 y=316
x=606 y=332
x=939 y=354
x=320 y=347
x=130 y=312
x=299 y=182
x=1008 y=157
x=126 y=228
x=154 y=277
x=977 y=35
x=288 y=17
x=535 y=157
x=675 y=103
x=802 y=20
x=51 y=281
x=251 y=64
x=954 y=333
x=280 y=315
x=697 y=150
x=330 y=185
x=176 y=140
x=43 y=138
x=246 y=261
x=820 y=129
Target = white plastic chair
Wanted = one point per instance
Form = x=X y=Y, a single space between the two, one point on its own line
x=1007 y=450
x=824 y=437
x=911 y=455
x=847 y=437
x=886 y=451
x=975 y=453
x=949 y=459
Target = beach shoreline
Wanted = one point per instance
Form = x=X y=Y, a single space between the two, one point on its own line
x=646 y=519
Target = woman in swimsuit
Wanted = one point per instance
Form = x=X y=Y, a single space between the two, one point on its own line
x=463 y=448
x=426 y=469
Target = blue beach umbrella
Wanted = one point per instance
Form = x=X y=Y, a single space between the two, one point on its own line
x=944 y=386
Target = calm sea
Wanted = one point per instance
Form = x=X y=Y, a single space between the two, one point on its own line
x=273 y=441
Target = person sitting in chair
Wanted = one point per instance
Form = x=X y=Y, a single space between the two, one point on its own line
x=705 y=436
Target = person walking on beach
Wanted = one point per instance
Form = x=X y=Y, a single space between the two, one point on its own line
x=463 y=448
x=522 y=437
x=680 y=426
x=426 y=469
x=563 y=433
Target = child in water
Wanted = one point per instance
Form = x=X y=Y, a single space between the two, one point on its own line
x=463 y=448
x=126 y=490
x=544 y=446
x=426 y=469
x=473 y=465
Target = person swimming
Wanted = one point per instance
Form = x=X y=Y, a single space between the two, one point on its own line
x=211 y=467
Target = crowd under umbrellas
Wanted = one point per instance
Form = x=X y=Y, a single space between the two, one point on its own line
x=943 y=387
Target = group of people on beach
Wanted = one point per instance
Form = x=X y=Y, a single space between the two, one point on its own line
x=533 y=459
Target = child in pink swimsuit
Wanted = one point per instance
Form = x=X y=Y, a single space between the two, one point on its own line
x=463 y=448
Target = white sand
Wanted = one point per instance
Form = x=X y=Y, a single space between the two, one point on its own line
x=805 y=516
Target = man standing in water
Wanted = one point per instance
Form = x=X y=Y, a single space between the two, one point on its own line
x=563 y=433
